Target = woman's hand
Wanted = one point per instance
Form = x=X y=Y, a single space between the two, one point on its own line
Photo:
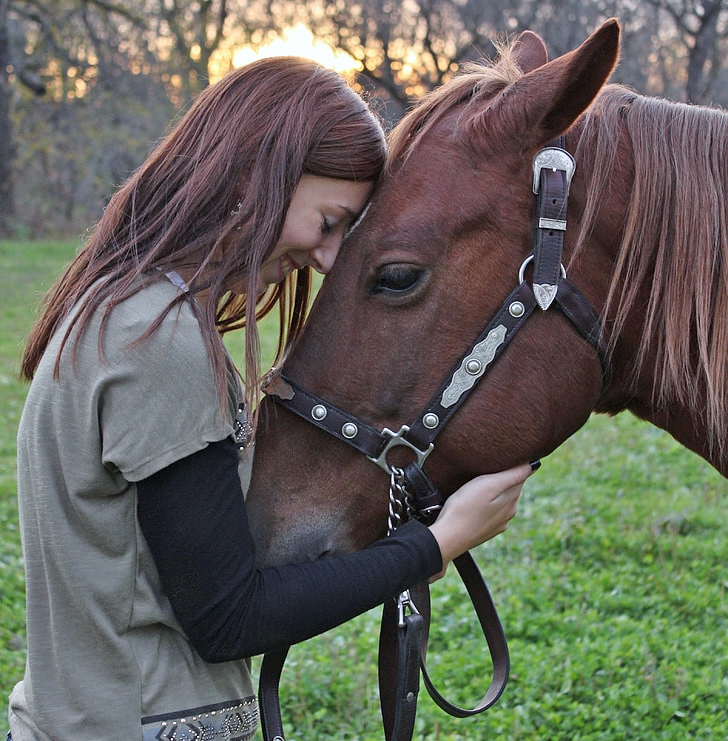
x=478 y=511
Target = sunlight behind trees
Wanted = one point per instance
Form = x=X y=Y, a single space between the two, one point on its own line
x=88 y=86
x=299 y=41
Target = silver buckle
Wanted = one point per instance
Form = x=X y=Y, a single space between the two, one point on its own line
x=405 y=601
x=552 y=158
x=397 y=439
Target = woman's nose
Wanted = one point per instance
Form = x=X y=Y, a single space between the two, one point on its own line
x=323 y=257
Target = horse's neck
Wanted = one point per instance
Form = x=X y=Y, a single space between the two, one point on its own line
x=636 y=392
x=687 y=428
x=626 y=391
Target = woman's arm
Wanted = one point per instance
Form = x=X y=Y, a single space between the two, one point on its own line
x=193 y=517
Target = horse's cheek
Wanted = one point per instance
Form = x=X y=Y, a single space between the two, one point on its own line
x=309 y=495
x=540 y=391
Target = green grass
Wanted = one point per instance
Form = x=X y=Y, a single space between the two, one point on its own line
x=611 y=585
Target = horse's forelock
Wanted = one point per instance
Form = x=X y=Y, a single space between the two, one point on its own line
x=676 y=237
x=474 y=83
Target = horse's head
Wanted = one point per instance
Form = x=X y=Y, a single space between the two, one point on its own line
x=427 y=268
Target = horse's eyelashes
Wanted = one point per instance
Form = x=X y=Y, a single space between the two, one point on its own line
x=397 y=279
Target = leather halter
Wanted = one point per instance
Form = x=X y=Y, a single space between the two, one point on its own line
x=549 y=286
x=552 y=172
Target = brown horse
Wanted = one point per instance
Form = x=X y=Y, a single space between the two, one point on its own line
x=440 y=248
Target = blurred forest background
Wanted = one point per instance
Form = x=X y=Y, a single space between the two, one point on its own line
x=88 y=86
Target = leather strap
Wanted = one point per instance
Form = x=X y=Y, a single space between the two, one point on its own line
x=456 y=388
x=586 y=321
x=399 y=669
x=549 y=237
x=271 y=668
x=553 y=168
x=427 y=498
x=324 y=415
x=494 y=635
x=489 y=344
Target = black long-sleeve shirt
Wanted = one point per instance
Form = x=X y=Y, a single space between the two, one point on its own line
x=194 y=519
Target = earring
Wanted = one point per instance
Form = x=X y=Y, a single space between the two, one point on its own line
x=236 y=211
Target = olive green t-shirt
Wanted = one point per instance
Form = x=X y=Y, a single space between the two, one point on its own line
x=106 y=658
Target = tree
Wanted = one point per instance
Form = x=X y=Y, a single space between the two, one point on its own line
x=7 y=200
x=39 y=44
x=701 y=25
x=114 y=73
x=15 y=65
x=187 y=33
x=402 y=48
x=406 y=48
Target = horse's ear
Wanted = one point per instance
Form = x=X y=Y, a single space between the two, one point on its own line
x=546 y=101
x=529 y=51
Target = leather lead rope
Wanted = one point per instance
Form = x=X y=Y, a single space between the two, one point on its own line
x=403 y=637
x=403 y=655
x=494 y=635
x=271 y=668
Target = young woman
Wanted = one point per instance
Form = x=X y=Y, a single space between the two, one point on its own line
x=143 y=598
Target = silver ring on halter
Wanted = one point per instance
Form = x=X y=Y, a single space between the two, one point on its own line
x=522 y=269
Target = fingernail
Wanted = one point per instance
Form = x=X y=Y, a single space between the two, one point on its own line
x=535 y=465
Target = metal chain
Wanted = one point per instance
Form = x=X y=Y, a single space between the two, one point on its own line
x=401 y=507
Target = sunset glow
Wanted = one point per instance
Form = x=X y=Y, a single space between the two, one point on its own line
x=298 y=41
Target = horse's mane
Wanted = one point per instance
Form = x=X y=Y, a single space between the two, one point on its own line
x=474 y=81
x=675 y=235
x=675 y=243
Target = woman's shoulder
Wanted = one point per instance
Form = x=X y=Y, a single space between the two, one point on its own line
x=149 y=324
x=156 y=307
x=149 y=301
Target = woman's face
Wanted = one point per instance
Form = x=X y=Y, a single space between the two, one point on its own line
x=321 y=211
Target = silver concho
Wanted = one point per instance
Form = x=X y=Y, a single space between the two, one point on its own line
x=516 y=309
x=464 y=378
x=430 y=420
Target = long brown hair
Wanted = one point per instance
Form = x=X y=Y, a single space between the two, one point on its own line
x=211 y=200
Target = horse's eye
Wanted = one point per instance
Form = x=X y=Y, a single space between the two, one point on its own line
x=397 y=279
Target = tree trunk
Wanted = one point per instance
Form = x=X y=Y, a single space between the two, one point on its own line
x=7 y=148
x=698 y=83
